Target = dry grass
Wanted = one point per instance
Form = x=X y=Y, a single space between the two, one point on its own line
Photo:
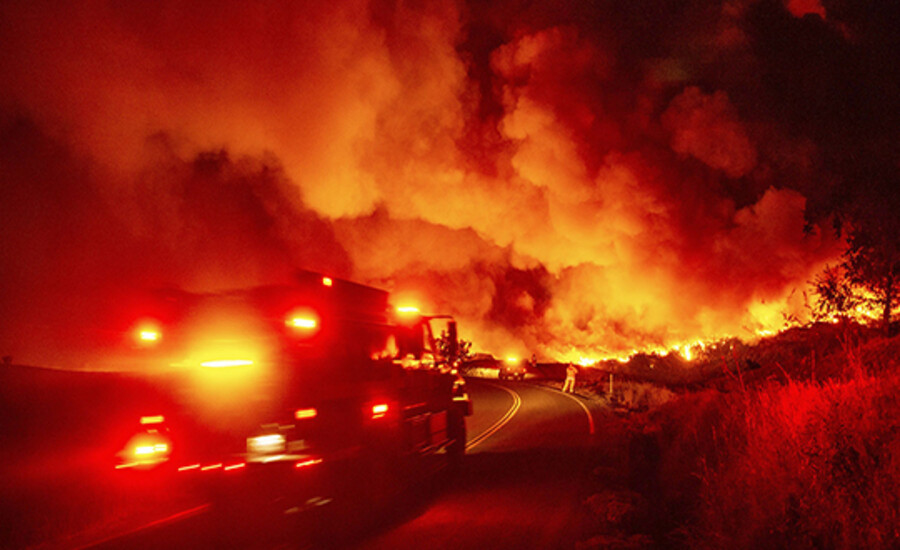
x=807 y=466
x=631 y=395
x=782 y=465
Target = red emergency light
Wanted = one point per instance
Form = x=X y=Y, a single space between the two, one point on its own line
x=380 y=410
x=303 y=414
x=303 y=322
x=147 y=333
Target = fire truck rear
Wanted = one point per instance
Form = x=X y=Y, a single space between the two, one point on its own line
x=298 y=393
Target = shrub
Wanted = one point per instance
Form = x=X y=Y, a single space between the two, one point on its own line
x=801 y=466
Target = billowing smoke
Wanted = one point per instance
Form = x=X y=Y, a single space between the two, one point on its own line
x=570 y=179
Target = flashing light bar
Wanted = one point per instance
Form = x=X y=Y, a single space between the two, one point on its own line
x=156 y=419
x=302 y=414
x=227 y=363
x=408 y=310
x=149 y=335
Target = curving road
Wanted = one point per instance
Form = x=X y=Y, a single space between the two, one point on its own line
x=529 y=453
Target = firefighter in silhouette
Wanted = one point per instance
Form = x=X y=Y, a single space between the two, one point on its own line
x=569 y=384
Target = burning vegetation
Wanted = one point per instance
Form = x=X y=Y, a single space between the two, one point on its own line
x=570 y=179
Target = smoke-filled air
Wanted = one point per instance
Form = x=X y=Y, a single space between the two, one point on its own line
x=570 y=179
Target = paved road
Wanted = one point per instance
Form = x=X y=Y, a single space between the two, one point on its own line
x=529 y=451
x=522 y=485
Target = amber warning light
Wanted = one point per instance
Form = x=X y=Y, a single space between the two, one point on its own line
x=408 y=312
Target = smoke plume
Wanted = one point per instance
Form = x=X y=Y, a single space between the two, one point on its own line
x=571 y=179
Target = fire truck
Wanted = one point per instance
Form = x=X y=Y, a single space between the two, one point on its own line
x=299 y=393
x=512 y=368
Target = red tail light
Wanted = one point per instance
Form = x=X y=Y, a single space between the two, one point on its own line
x=303 y=323
x=380 y=410
x=147 y=334
x=303 y=414
x=145 y=450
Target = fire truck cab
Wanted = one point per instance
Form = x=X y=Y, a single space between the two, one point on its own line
x=512 y=368
x=302 y=391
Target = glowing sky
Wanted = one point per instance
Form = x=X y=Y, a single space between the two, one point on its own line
x=568 y=178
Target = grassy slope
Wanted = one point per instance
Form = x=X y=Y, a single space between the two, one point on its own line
x=801 y=450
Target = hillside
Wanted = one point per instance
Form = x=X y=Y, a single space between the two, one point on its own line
x=793 y=443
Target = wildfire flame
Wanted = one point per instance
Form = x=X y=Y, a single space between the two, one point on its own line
x=559 y=189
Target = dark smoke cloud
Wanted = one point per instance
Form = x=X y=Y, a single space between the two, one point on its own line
x=74 y=249
x=570 y=178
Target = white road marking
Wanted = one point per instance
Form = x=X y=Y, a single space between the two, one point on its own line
x=510 y=413
x=580 y=403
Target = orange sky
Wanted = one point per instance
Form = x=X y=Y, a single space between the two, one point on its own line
x=567 y=187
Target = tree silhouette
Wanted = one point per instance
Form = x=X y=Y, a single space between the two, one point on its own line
x=444 y=346
x=872 y=261
x=837 y=297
